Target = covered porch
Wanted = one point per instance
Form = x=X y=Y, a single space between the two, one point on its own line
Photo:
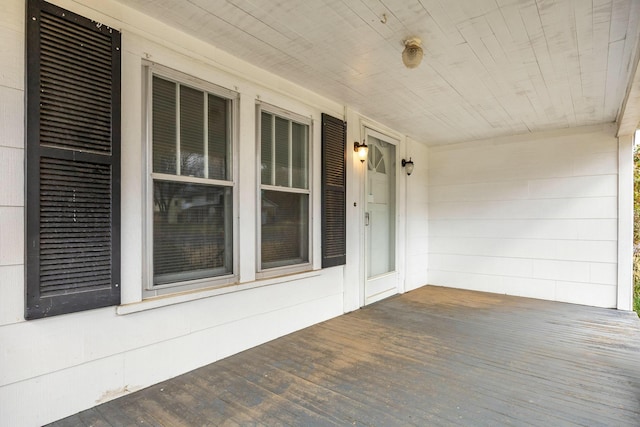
x=433 y=356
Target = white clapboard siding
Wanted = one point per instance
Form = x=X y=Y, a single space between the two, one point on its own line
x=538 y=210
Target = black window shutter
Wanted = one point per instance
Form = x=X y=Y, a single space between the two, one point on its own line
x=334 y=246
x=72 y=162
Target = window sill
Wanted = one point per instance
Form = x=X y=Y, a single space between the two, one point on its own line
x=178 y=298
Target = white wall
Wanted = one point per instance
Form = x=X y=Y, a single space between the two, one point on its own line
x=417 y=238
x=51 y=368
x=532 y=215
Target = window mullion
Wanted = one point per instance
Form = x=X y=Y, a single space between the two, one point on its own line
x=206 y=134
x=290 y=154
x=229 y=169
x=178 y=156
x=273 y=149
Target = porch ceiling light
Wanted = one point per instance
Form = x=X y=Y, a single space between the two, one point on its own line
x=412 y=53
x=361 y=149
x=408 y=165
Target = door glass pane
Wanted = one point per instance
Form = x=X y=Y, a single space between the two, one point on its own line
x=381 y=207
x=192 y=234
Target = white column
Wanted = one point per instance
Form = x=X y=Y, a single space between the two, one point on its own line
x=625 y=222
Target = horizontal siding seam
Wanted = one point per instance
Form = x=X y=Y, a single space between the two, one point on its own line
x=523 y=258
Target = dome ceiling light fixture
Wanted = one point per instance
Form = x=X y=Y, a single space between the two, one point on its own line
x=412 y=53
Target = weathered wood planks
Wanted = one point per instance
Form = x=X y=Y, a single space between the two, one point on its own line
x=434 y=356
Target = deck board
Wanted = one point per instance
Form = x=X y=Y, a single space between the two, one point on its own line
x=433 y=356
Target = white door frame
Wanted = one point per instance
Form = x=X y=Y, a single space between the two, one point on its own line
x=367 y=130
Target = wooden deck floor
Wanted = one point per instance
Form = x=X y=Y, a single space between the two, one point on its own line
x=433 y=356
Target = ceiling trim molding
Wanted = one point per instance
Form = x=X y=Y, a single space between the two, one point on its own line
x=629 y=117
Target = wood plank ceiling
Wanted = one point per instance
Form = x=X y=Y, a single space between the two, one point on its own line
x=491 y=67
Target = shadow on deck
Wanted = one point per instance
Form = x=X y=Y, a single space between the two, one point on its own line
x=434 y=356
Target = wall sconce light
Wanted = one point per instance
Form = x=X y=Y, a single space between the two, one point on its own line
x=361 y=149
x=408 y=165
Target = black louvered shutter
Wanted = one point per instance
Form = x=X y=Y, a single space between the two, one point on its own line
x=72 y=163
x=334 y=246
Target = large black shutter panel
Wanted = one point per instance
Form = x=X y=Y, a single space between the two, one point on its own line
x=334 y=247
x=72 y=162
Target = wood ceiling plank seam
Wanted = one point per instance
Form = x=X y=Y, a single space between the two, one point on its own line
x=514 y=67
x=246 y=19
x=294 y=25
x=632 y=39
x=561 y=43
x=225 y=28
x=504 y=96
x=350 y=19
x=557 y=47
x=514 y=23
x=391 y=15
x=535 y=31
x=601 y=31
x=620 y=15
x=575 y=66
x=528 y=86
x=369 y=17
x=440 y=18
x=448 y=75
x=584 y=30
x=613 y=84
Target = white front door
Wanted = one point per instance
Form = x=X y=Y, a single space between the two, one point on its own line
x=381 y=278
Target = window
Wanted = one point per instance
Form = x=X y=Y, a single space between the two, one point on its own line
x=191 y=181
x=73 y=163
x=284 y=189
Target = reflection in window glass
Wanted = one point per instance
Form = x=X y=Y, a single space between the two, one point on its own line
x=284 y=160
x=192 y=233
x=192 y=220
x=191 y=132
x=164 y=126
x=285 y=228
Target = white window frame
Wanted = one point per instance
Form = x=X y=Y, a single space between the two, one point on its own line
x=262 y=273
x=149 y=70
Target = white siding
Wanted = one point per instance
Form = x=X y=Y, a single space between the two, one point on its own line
x=417 y=217
x=534 y=216
x=11 y=166
x=51 y=368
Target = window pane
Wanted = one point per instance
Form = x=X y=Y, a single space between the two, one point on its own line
x=265 y=150
x=192 y=231
x=191 y=132
x=299 y=155
x=164 y=126
x=282 y=152
x=285 y=228
x=219 y=141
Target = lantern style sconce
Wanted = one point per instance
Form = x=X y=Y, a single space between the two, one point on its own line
x=408 y=165
x=361 y=149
